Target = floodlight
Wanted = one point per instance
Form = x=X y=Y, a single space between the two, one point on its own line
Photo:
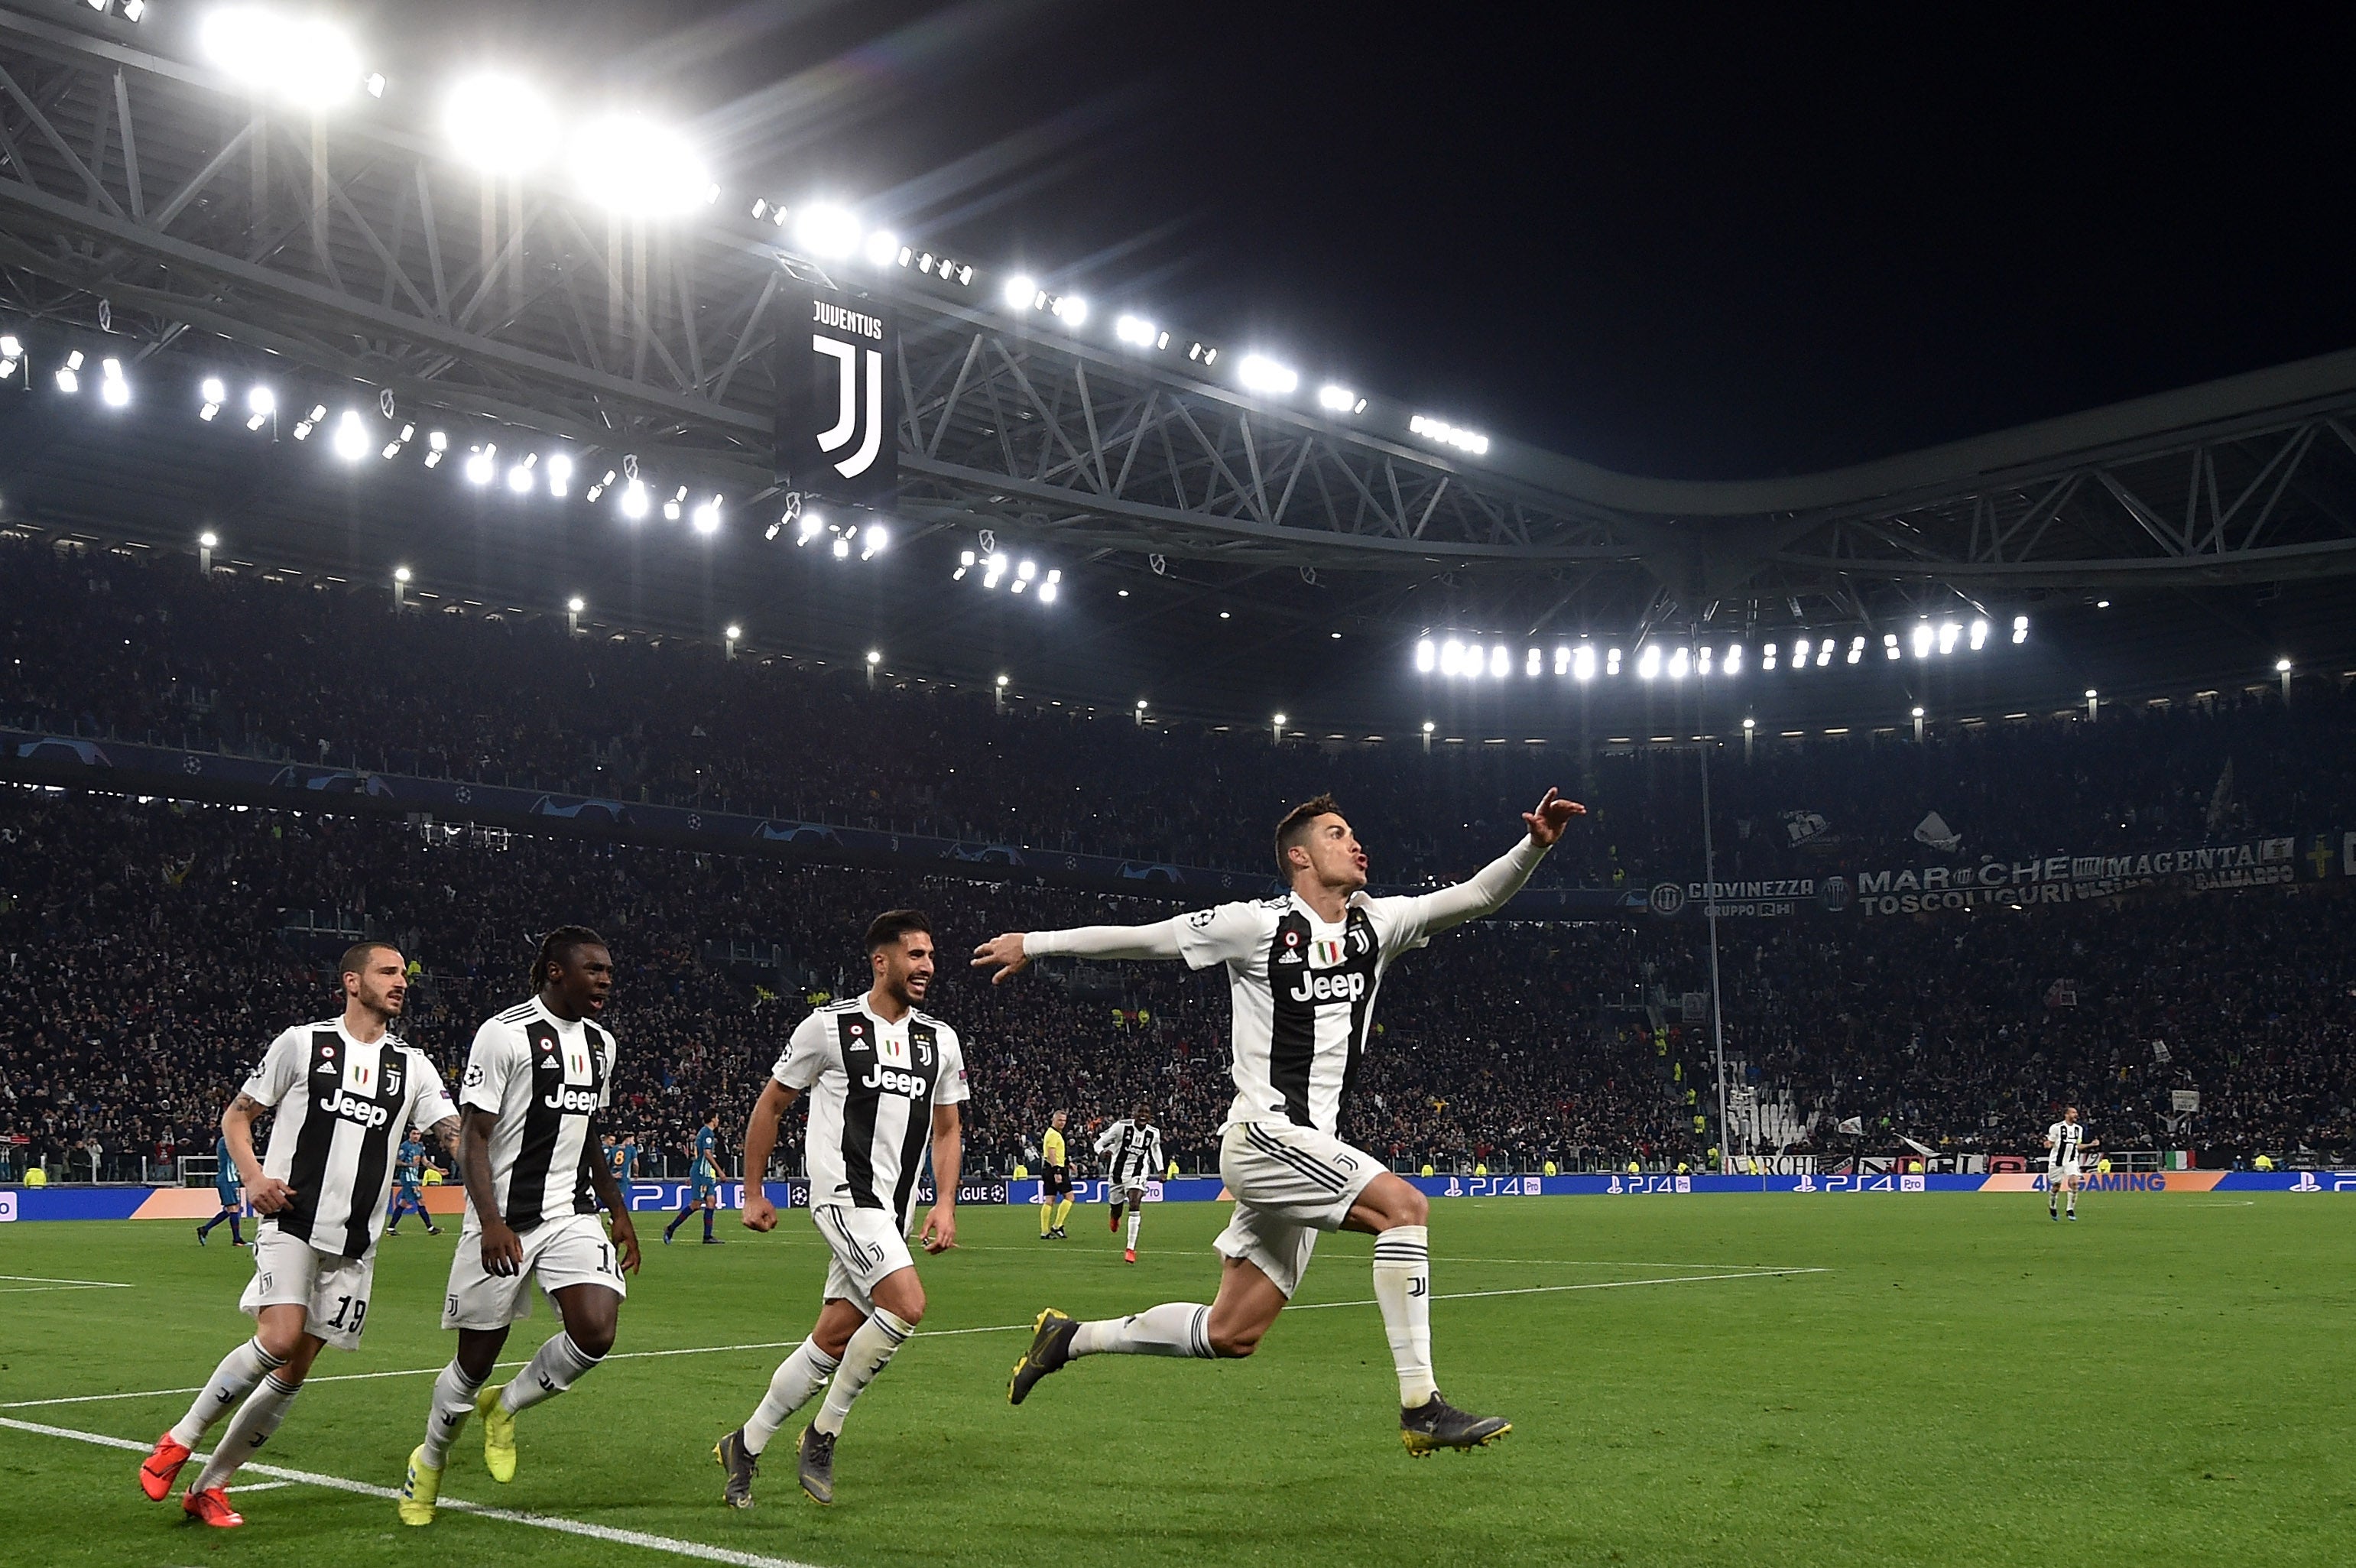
x=1452 y=657
x=634 y=499
x=1824 y=653
x=133 y=9
x=883 y=248
x=1428 y=727
x=519 y=479
x=1535 y=665
x=1979 y=635
x=559 y=469
x=351 y=436
x=879 y=538
x=1922 y=639
x=576 y=603
x=1611 y=661
x=842 y=549
x=998 y=563
x=1767 y=657
x=2282 y=666
x=499 y=124
x=1751 y=724
x=1336 y=399
x=2021 y=628
x=1918 y=713
x=306 y=60
x=111 y=387
x=10 y=347
x=1583 y=662
x=1001 y=680
x=1019 y=292
x=706 y=520
x=67 y=380
x=1282 y=721
x=74 y=360
x=1427 y=657
x=1047 y=592
x=1498 y=661
x=1071 y=309
x=1889 y=645
x=1262 y=374
x=1733 y=663
x=1440 y=430
x=632 y=166
x=965 y=558
x=1135 y=331
x=1948 y=632
x=215 y=392
x=209 y=539
x=400 y=574
x=1648 y=664
x=479 y=468
x=1680 y=662
x=1799 y=654
x=2090 y=691
x=670 y=510
x=1026 y=571
x=1701 y=660
x=827 y=230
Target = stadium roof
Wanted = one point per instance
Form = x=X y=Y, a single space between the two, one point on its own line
x=1227 y=549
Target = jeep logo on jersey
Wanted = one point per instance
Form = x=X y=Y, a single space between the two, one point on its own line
x=1328 y=988
x=366 y=1113
x=837 y=400
x=891 y=1080
x=573 y=1102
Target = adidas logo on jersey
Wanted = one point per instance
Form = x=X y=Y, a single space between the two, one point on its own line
x=367 y=1112
x=892 y=1080
x=580 y=1101
x=1328 y=988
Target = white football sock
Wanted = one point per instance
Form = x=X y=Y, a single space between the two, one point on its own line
x=1134 y=1216
x=1174 y=1328
x=870 y=1352
x=235 y=1378
x=1403 y=1289
x=248 y=1429
x=556 y=1367
x=454 y=1402
x=797 y=1377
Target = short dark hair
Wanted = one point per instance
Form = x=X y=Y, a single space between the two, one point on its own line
x=558 y=947
x=1294 y=829
x=891 y=925
x=356 y=957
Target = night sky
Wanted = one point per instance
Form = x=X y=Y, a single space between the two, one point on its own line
x=1698 y=242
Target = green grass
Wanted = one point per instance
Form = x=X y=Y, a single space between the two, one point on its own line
x=1966 y=1383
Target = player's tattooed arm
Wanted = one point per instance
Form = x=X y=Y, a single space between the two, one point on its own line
x=267 y=1192
x=502 y=1248
x=609 y=1193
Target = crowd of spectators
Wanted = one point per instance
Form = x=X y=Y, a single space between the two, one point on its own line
x=102 y=645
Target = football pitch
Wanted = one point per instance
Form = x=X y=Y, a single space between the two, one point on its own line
x=1772 y=1379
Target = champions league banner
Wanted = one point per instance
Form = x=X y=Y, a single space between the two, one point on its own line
x=838 y=399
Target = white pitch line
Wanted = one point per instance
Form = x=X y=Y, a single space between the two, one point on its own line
x=52 y=1280
x=1589 y=1285
x=557 y=1522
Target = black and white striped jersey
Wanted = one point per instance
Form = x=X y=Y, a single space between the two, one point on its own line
x=1132 y=1151
x=545 y=1077
x=873 y=1086
x=343 y=1106
x=1303 y=996
x=2065 y=1139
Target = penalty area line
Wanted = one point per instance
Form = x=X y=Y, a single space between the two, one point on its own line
x=1586 y=1284
x=556 y=1522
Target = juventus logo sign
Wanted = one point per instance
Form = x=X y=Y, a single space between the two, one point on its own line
x=838 y=404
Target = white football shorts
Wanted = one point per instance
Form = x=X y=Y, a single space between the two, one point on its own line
x=2059 y=1174
x=572 y=1249
x=1288 y=1183
x=867 y=1248
x=290 y=1271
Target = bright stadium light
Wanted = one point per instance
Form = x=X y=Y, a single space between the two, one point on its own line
x=1948 y=632
x=1019 y=292
x=1799 y=654
x=1259 y=373
x=1680 y=662
x=706 y=518
x=1648 y=664
x=1583 y=662
x=260 y=403
x=1979 y=635
x=112 y=388
x=1922 y=639
x=1337 y=398
x=499 y=124
x=2019 y=629
x=633 y=167
x=1447 y=434
x=883 y=248
x=1500 y=662
x=519 y=478
x=215 y=392
x=1767 y=657
x=1562 y=659
x=1451 y=657
x=1733 y=663
x=1427 y=657
x=11 y=346
x=1134 y=330
x=1856 y=649
x=1824 y=653
x=305 y=60
x=1611 y=661
x=634 y=500
x=1889 y=645
x=2282 y=666
x=559 y=474
x=69 y=373
x=1701 y=660
x=481 y=465
x=825 y=230
x=352 y=441
x=1071 y=309
x=877 y=538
